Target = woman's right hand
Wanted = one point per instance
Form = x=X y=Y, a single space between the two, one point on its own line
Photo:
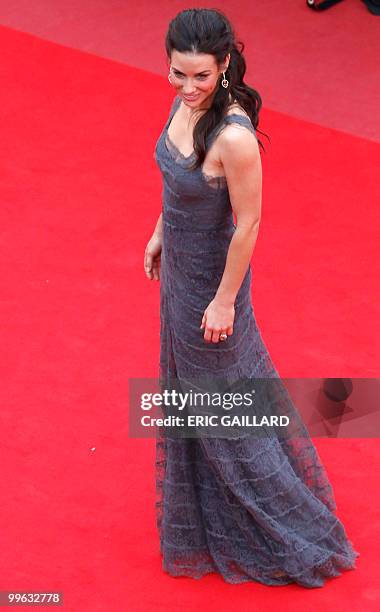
x=152 y=258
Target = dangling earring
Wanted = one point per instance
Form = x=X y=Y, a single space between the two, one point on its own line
x=224 y=82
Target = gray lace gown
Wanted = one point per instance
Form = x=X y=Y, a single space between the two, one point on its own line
x=248 y=508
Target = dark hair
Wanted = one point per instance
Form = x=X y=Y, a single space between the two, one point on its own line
x=209 y=31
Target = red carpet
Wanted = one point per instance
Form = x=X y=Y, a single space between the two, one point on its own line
x=80 y=197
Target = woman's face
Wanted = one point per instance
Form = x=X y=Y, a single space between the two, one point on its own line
x=195 y=76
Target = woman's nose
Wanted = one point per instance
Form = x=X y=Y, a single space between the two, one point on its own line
x=188 y=87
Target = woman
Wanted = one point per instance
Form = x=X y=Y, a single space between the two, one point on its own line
x=248 y=508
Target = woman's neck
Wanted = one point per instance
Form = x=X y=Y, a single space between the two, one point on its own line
x=189 y=113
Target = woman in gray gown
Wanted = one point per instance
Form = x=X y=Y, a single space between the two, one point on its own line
x=248 y=508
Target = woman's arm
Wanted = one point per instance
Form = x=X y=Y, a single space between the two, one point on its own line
x=238 y=258
x=241 y=161
x=158 y=229
x=152 y=255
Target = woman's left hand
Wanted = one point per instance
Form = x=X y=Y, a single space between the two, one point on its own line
x=218 y=318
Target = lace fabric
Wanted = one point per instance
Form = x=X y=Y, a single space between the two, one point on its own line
x=248 y=508
x=213 y=181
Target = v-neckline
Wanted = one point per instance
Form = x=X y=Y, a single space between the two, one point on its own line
x=172 y=144
x=185 y=157
x=169 y=141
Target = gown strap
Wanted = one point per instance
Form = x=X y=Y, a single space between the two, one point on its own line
x=232 y=118
x=175 y=104
x=243 y=120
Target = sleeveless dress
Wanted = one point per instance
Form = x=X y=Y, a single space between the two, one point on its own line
x=250 y=509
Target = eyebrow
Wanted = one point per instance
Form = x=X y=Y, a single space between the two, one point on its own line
x=198 y=73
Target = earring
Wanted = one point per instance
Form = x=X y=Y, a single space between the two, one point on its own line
x=224 y=81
